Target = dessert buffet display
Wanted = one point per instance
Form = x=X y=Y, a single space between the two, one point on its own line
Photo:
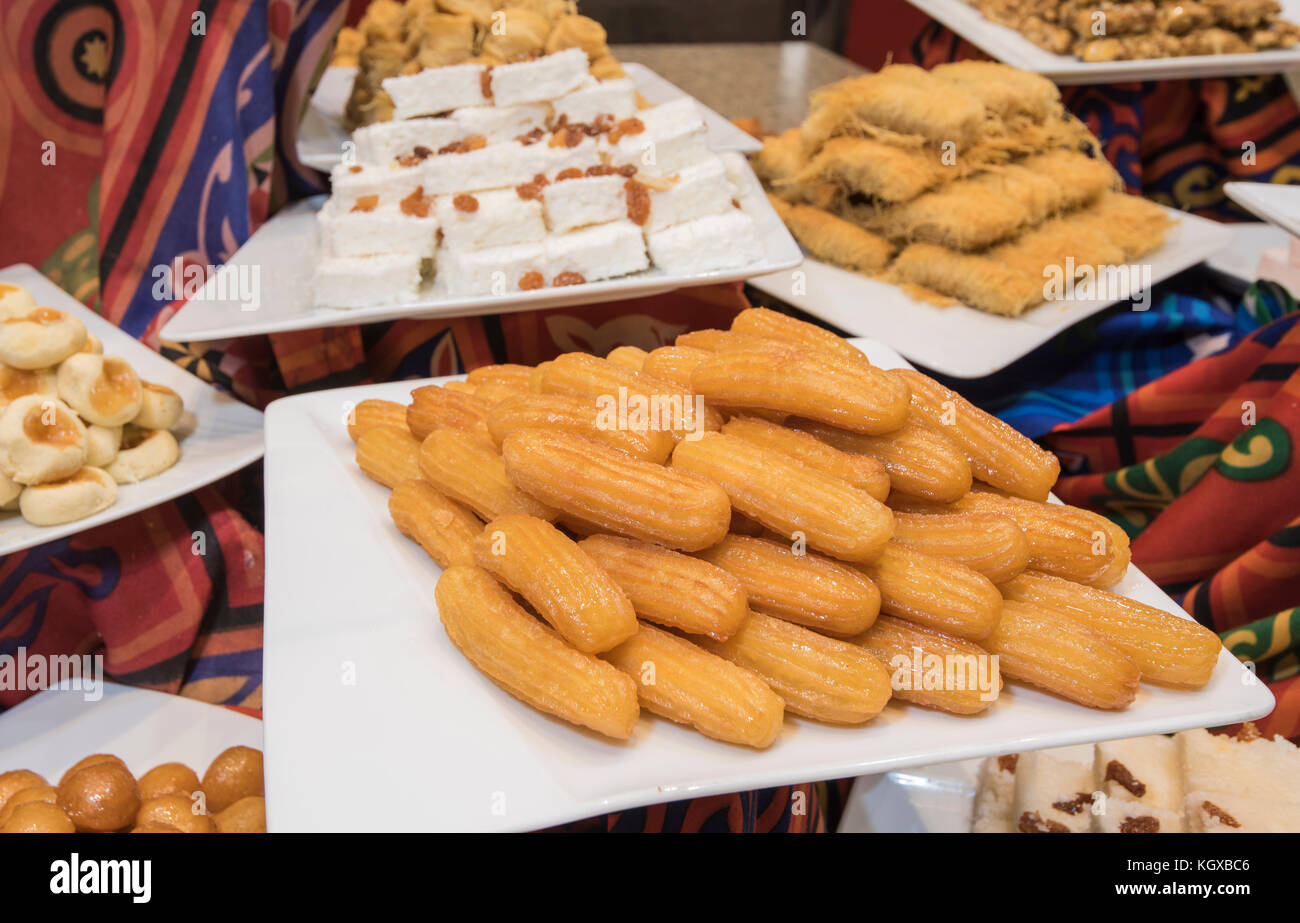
x=828 y=517
x=967 y=183
x=1193 y=782
x=74 y=423
x=1120 y=30
x=99 y=794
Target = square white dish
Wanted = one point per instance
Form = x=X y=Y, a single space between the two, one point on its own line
x=1276 y=203
x=55 y=728
x=961 y=341
x=282 y=255
x=218 y=434
x=1010 y=47
x=363 y=685
x=321 y=133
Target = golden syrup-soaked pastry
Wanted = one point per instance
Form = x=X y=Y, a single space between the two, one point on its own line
x=804 y=588
x=89 y=491
x=716 y=341
x=528 y=659
x=439 y=39
x=39 y=817
x=506 y=374
x=174 y=811
x=41 y=440
x=966 y=681
x=442 y=527
x=579 y=416
x=1064 y=541
x=1047 y=648
x=102 y=389
x=235 y=773
x=143 y=454
x=160 y=407
x=15 y=301
x=93 y=760
x=806 y=382
x=789 y=497
x=16 y=383
x=773 y=325
x=818 y=677
x=860 y=471
x=607 y=67
x=558 y=579
x=168 y=779
x=388 y=454
x=468 y=469
x=674 y=363
x=935 y=592
x=631 y=357
x=619 y=493
x=154 y=827
x=464 y=387
x=576 y=31
x=671 y=588
x=16 y=780
x=100 y=798
x=921 y=462
x=45 y=794
x=998 y=454
x=687 y=684
x=1167 y=649
x=247 y=815
x=989 y=543
x=102 y=444
x=433 y=407
x=40 y=339
x=372 y=412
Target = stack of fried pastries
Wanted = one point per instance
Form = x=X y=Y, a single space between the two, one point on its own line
x=966 y=182
x=752 y=522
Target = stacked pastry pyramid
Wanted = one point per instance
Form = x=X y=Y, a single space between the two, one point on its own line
x=1120 y=30
x=969 y=181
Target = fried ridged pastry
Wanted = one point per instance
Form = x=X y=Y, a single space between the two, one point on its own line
x=530 y=660
x=388 y=454
x=558 y=579
x=860 y=471
x=442 y=527
x=373 y=412
x=970 y=681
x=432 y=407
x=579 y=416
x=831 y=238
x=469 y=469
x=989 y=543
x=688 y=685
x=935 y=592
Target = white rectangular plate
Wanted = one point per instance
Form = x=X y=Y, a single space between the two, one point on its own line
x=218 y=434
x=321 y=134
x=283 y=255
x=1277 y=203
x=363 y=685
x=55 y=728
x=1010 y=47
x=959 y=340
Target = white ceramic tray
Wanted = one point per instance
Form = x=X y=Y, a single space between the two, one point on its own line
x=218 y=434
x=363 y=686
x=959 y=340
x=1010 y=47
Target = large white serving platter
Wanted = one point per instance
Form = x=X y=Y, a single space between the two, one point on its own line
x=1276 y=203
x=321 y=134
x=281 y=254
x=363 y=685
x=218 y=434
x=1010 y=47
x=55 y=728
x=959 y=340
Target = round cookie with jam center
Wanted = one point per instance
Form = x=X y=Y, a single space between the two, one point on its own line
x=41 y=440
x=39 y=339
x=105 y=390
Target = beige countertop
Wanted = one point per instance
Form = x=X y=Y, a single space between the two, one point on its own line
x=770 y=81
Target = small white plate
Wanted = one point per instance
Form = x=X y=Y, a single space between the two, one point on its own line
x=363 y=686
x=1010 y=47
x=218 y=434
x=1276 y=203
x=959 y=340
x=926 y=799
x=321 y=133
x=55 y=728
x=281 y=258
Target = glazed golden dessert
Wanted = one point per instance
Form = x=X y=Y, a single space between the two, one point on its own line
x=74 y=423
x=783 y=528
x=968 y=183
x=1120 y=30
x=98 y=794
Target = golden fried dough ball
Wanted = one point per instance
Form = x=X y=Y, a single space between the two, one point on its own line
x=90 y=761
x=174 y=811
x=247 y=815
x=15 y=781
x=39 y=817
x=101 y=797
x=168 y=779
x=44 y=793
x=235 y=773
x=154 y=827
